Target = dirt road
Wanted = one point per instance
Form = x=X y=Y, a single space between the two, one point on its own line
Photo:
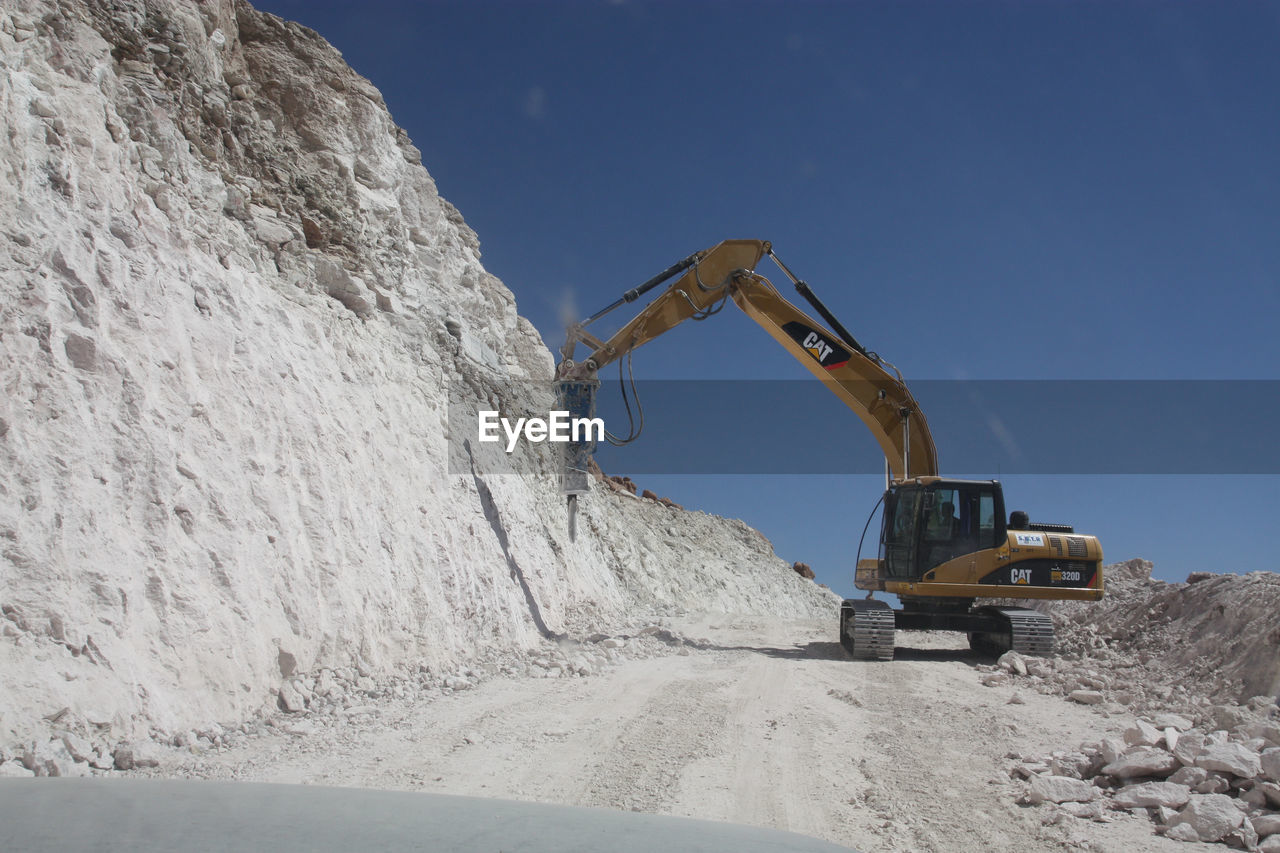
x=762 y=722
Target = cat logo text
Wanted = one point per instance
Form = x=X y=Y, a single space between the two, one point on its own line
x=814 y=343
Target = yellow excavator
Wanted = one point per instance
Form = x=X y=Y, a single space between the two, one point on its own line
x=944 y=543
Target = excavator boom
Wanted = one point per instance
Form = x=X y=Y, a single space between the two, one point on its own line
x=727 y=271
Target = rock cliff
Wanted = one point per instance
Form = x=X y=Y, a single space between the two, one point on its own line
x=232 y=303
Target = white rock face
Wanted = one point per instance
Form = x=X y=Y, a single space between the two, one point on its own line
x=231 y=306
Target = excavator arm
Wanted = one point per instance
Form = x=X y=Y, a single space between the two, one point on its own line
x=726 y=272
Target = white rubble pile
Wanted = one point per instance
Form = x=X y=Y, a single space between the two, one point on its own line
x=232 y=306
x=1196 y=785
x=1155 y=646
x=1202 y=649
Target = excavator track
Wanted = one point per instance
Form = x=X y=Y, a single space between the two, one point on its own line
x=867 y=629
x=1031 y=631
x=1027 y=632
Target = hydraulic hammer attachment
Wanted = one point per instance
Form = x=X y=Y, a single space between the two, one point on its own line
x=578 y=398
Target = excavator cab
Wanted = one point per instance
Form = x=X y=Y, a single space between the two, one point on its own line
x=927 y=524
x=944 y=538
x=944 y=545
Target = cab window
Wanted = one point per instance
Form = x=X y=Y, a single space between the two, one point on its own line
x=957 y=521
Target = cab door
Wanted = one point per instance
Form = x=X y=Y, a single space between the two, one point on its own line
x=959 y=520
x=898 y=534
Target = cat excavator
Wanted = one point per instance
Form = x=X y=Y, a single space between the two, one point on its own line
x=945 y=544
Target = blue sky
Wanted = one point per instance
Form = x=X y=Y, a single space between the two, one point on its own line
x=1038 y=190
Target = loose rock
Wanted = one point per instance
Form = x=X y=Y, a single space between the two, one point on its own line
x=1230 y=758
x=1142 y=761
x=1211 y=816
x=1086 y=697
x=1060 y=789
x=1012 y=662
x=1152 y=794
x=1269 y=762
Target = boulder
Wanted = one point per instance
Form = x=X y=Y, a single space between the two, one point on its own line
x=1272 y=792
x=1086 y=697
x=1012 y=662
x=1266 y=825
x=80 y=749
x=1229 y=716
x=14 y=770
x=1265 y=729
x=291 y=700
x=1060 y=789
x=271 y=231
x=1181 y=832
x=1215 y=783
x=1233 y=758
x=1111 y=750
x=1256 y=798
x=1188 y=747
x=52 y=758
x=1142 y=733
x=1212 y=816
x=1142 y=761
x=1189 y=776
x=625 y=484
x=1077 y=765
x=129 y=756
x=1270 y=764
x=1165 y=721
x=1242 y=837
x=803 y=570
x=1270 y=845
x=1084 y=811
x=102 y=758
x=1029 y=769
x=1152 y=794
x=1039 y=667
